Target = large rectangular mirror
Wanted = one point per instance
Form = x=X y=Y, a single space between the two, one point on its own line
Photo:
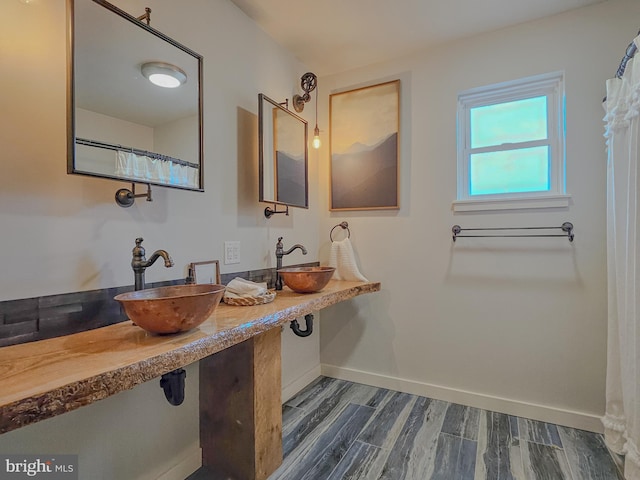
x=282 y=154
x=121 y=125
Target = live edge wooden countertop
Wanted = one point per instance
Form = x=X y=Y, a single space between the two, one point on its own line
x=42 y=379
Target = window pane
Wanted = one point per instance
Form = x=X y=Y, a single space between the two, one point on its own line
x=511 y=122
x=510 y=171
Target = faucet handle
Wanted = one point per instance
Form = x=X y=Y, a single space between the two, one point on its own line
x=138 y=251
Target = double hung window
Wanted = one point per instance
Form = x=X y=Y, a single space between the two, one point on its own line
x=511 y=145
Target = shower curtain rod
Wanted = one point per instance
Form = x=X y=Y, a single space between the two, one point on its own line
x=137 y=151
x=628 y=55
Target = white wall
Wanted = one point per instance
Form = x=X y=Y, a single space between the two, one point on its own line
x=64 y=233
x=178 y=138
x=518 y=325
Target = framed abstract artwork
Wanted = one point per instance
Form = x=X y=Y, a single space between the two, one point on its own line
x=364 y=138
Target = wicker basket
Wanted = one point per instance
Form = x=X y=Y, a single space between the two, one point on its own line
x=267 y=297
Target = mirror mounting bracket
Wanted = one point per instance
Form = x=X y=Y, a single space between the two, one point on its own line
x=126 y=197
x=146 y=17
x=268 y=211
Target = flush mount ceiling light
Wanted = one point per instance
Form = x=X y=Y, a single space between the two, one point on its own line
x=163 y=74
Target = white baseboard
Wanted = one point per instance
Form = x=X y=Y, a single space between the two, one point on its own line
x=299 y=383
x=191 y=462
x=569 y=418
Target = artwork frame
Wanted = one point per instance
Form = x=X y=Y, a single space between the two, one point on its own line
x=365 y=148
x=205 y=272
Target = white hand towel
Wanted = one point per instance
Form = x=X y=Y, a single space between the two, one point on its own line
x=239 y=287
x=344 y=261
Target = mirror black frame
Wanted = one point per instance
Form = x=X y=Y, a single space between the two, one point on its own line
x=71 y=104
x=261 y=155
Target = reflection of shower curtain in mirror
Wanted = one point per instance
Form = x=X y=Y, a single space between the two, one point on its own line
x=622 y=417
x=147 y=169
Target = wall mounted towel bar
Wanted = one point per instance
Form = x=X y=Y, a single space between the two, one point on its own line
x=566 y=227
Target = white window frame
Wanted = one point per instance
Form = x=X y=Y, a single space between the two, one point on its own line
x=550 y=85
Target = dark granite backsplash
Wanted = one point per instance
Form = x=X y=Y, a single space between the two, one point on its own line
x=32 y=319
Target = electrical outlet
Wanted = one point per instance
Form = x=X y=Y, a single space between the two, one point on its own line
x=231 y=252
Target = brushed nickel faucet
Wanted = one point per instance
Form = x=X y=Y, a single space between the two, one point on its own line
x=281 y=253
x=139 y=263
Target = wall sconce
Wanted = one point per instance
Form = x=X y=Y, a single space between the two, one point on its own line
x=309 y=83
x=163 y=74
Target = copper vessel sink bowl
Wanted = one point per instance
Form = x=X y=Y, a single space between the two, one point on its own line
x=171 y=309
x=306 y=279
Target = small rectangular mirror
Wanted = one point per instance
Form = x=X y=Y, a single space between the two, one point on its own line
x=283 y=155
x=121 y=125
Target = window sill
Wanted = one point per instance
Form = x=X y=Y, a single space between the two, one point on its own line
x=476 y=205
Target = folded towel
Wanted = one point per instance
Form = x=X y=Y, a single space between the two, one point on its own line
x=239 y=287
x=344 y=261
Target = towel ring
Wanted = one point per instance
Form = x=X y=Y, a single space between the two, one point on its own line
x=344 y=225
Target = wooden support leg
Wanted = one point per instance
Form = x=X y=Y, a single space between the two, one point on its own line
x=241 y=408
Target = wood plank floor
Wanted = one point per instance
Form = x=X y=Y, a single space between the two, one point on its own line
x=338 y=430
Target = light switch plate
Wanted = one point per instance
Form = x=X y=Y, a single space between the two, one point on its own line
x=231 y=252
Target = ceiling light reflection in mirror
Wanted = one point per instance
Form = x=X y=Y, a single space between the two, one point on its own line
x=163 y=74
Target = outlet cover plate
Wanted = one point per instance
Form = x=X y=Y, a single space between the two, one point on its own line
x=231 y=252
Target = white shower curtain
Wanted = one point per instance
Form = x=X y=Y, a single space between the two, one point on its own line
x=143 y=168
x=622 y=417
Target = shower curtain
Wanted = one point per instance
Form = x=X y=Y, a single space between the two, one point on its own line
x=622 y=416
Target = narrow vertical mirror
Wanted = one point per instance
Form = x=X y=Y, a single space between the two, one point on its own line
x=282 y=154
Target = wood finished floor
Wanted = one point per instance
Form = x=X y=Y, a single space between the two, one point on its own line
x=338 y=430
